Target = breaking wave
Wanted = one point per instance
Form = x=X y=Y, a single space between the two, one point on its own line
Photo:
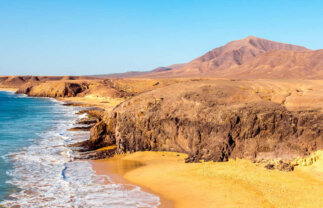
x=47 y=176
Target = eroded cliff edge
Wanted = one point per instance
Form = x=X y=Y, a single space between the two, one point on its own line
x=207 y=119
x=210 y=121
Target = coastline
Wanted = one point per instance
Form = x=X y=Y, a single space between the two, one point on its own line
x=77 y=101
x=79 y=173
x=116 y=168
x=112 y=171
x=45 y=141
x=211 y=184
x=8 y=89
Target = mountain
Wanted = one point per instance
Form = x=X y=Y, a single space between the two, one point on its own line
x=140 y=73
x=280 y=64
x=233 y=55
x=251 y=57
x=168 y=68
x=123 y=75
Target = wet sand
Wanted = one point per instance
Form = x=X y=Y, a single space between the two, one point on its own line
x=237 y=183
x=116 y=168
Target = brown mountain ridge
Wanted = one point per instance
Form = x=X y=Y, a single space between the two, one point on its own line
x=251 y=57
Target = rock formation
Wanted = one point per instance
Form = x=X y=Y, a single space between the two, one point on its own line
x=54 y=89
x=71 y=88
x=18 y=81
x=209 y=121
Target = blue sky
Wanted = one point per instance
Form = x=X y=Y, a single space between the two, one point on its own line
x=78 y=37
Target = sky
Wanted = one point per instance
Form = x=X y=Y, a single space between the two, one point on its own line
x=78 y=37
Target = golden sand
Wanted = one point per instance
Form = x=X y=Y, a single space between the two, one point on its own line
x=116 y=168
x=237 y=183
x=8 y=89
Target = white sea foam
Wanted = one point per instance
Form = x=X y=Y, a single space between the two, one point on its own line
x=22 y=96
x=48 y=177
x=7 y=91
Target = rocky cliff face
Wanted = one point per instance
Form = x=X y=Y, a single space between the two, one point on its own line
x=68 y=88
x=210 y=122
x=207 y=119
x=59 y=89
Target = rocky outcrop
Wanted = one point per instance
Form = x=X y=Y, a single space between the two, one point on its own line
x=54 y=89
x=74 y=88
x=19 y=81
x=207 y=119
x=209 y=122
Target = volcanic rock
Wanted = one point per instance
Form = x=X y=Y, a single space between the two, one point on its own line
x=209 y=121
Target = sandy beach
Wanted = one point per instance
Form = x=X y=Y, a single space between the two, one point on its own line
x=8 y=89
x=237 y=183
x=117 y=167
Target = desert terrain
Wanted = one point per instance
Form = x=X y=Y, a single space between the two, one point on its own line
x=241 y=126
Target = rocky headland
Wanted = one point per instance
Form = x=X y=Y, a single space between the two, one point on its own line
x=207 y=119
x=212 y=120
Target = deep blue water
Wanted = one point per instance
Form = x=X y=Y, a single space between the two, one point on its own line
x=21 y=120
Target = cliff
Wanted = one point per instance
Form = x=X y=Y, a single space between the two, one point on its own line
x=206 y=119
x=18 y=81
x=69 y=86
x=211 y=120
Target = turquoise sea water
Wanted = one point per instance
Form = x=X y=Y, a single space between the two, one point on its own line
x=37 y=168
x=21 y=119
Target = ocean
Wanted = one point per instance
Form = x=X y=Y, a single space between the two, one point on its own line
x=37 y=168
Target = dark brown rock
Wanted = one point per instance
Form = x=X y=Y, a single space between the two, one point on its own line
x=270 y=166
x=95 y=155
x=283 y=166
x=81 y=128
x=87 y=121
x=92 y=114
